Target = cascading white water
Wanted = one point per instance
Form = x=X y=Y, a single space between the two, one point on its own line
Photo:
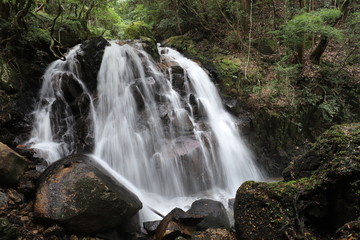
x=53 y=132
x=166 y=133
x=233 y=157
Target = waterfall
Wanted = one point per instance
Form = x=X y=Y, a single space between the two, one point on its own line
x=53 y=134
x=160 y=126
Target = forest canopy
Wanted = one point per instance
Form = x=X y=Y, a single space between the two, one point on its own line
x=296 y=25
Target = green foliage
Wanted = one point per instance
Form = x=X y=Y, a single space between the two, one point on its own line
x=353 y=37
x=137 y=29
x=306 y=25
x=107 y=22
x=167 y=18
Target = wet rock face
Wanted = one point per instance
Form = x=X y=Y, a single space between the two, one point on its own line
x=322 y=196
x=214 y=214
x=90 y=60
x=12 y=166
x=80 y=195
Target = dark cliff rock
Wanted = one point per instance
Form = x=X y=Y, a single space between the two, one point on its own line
x=90 y=60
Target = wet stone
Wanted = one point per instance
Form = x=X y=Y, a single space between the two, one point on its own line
x=214 y=214
x=3 y=200
x=151 y=226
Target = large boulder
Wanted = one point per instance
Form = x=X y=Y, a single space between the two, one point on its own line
x=266 y=46
x=79 y=194
x=335 y=152
x=12 y=166
x=214 y=214
x=318 y=200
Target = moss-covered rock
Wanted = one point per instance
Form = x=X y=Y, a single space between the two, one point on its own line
x=266 y=46
x=185 y=45
x=272 y=211
x=229 y=73
x=323 y=195
x=336 y=153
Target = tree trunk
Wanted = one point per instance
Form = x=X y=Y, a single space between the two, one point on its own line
x=300 y=53
x=321 y=47
x=319 y=50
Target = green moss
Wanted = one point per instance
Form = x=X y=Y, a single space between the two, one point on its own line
x=186 y=46
x=151 y=47
x=339 y=150
x=266 y=46
x=229 y=70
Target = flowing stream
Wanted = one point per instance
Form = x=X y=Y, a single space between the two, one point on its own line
x=160 y=128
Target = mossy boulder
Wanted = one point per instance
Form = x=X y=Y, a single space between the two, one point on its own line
x=334 y=154
x=229 y=73
x=270 y=211
x=265 y=46
x=80 y=195
x=184 y=45
x=317 y=201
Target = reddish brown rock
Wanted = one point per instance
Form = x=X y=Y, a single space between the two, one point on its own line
x=177 y=223
x=12 y=166
x=77 y=193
